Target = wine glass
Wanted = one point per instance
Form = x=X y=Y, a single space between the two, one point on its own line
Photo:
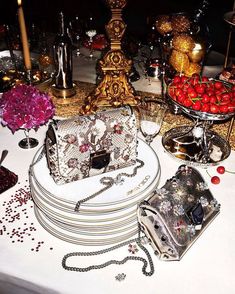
x=91 y=32
x=152 y=113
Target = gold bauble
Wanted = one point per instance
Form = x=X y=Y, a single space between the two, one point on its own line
x=163 y=24
x=180 y=23
x=183 y=43
x=179 y=60
x=193 y=68
x=198 y=52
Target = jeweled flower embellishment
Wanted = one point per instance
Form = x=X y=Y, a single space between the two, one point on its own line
x=84 y=148
x=175 y=182
x=178 y=209
x=165 y=206
x=73 y=162
x=202 y=186
x=118 y=129
x=180 y=227
x=132 y=248
x=215 y=204
x=128 y=138
x=120 y=277
x=70 y=139
x=191 y=230
x=186 y=170
x=162 y=193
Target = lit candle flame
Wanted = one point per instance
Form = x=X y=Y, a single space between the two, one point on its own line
x=19 y=2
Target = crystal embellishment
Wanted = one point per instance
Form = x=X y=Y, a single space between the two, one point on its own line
x=120 y=277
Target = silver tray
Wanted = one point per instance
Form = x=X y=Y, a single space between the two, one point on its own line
x=183 y=150
x=201 y=115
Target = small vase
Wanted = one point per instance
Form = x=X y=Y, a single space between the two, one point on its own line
x=27 y=142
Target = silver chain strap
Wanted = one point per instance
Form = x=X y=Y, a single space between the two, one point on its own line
x=113 y=261
x=109 y=182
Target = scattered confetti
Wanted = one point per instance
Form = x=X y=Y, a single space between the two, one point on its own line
x=16 y=212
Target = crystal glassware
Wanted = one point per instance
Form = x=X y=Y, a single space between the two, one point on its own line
x=152 y=113
x=28 y=142
x=91 y=31
x=91 y=34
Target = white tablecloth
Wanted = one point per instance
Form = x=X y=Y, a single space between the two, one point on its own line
x=206 y=268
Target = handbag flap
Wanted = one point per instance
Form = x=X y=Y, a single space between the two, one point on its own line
x=105 y=139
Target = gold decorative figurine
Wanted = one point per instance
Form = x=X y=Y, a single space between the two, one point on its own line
x=114 y=89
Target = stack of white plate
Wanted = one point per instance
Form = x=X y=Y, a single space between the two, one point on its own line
x=106 y=219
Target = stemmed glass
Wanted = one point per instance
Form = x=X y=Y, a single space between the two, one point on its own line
x=152 y=113
x=91 y=32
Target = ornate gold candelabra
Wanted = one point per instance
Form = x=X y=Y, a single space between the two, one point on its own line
x=114 y=89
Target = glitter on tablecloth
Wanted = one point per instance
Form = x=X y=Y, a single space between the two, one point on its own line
x=16 y=224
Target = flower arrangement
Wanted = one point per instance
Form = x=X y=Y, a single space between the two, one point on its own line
x=25 y=107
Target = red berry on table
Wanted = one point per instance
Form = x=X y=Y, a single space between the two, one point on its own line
x=221 y=169
x=215 y=180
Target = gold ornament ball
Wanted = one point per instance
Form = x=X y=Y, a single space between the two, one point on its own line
x=198 y=52
x=180 y=23
x=163 y=24
x=193 y=68
x=183 y=43
x=179 y=60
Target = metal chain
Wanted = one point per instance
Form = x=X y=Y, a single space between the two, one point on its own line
x=113 y=261
x=109 y=182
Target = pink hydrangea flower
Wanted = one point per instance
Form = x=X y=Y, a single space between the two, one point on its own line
x=25 y=107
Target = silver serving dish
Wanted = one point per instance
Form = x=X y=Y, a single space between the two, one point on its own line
x=181 y=144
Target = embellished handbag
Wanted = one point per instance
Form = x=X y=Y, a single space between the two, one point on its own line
x=89 y=145
x=174 y=216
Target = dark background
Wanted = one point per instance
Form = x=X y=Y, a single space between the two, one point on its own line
x=44 y=13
